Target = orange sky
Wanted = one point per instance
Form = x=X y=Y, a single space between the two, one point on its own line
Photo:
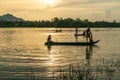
x=47 y=9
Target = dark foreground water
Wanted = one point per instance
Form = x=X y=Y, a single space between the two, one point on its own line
x=22 y=51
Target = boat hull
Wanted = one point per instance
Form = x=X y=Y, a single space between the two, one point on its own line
x=72 y=43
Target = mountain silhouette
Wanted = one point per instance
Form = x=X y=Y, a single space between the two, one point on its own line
x=10 y=17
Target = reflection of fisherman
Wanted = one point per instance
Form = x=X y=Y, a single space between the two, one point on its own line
x=49 y=39
x=88 y=54
x=89 y=35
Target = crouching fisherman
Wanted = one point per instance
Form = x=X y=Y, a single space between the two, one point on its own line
x=49 y=40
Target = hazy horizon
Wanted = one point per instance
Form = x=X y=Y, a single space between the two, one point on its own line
x=46 y=9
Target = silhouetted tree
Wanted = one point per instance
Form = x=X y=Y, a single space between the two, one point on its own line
x=60 y=22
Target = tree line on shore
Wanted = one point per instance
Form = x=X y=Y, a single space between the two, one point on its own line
x=60 y=23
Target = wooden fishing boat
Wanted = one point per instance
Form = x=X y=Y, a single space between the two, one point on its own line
x=72 y=43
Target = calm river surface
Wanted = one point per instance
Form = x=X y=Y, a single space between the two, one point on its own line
x=22 y=50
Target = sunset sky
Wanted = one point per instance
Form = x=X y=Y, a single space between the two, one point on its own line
x=47 y=9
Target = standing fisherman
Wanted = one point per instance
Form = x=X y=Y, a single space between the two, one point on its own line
x=49 y=39
x=89 y=35
x=76 y=30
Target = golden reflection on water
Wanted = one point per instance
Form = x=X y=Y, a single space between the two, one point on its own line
x=51 y=62
x=23 y=49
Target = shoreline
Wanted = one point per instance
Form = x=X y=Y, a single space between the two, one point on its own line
x=59 y=27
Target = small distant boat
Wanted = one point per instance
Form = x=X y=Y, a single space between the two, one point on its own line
x=72 y=43
x=79 y=35
x=76 y=33
x=59 y=30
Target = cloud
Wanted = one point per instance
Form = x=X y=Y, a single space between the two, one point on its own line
x=88 y=7
x=87 y=3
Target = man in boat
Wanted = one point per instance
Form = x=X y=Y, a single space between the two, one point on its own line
x=49 y=39
x=76 y=30
x=89 y=35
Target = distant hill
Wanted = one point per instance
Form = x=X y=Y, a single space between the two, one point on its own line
x=10 y=17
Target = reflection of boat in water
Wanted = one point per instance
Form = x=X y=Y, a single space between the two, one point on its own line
x=72 y=43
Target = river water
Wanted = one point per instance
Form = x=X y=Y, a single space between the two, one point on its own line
x=22 y=50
